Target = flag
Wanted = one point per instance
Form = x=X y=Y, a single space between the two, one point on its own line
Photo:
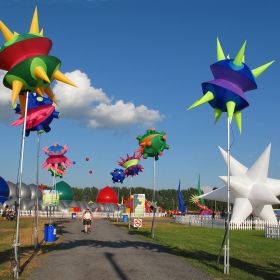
x=202 y=202
x=181 y=203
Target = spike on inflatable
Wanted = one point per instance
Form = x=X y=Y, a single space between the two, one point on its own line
x=204 y=99
x=17 y=86
x=220 y=52
x=51 y=95
x=7 y=33
x=238 y=120
x=34 y=27
x=41 y=74
x=62 y=78
x=217 y=114
x=238 y=60
x=259 y=70
x=230 y=109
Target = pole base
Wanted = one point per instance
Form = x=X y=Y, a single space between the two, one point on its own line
x=226 y=259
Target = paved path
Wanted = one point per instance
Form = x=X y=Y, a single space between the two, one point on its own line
x=111 y=253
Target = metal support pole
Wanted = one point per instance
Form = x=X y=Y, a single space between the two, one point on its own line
x=50 y=207
x=154 y=201
x=54 y=206
x=36 y=240
x=129 y=224
x=226 y=255
x=118 y=189
x=225 y=259
x=16 y=244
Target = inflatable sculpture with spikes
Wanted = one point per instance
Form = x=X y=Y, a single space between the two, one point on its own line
x=232 y=78
x=131 y=165
x=152 y=143
x=29 y=66
x=56 y=162
x=199 y=202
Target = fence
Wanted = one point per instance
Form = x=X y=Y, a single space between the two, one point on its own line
x=67 y=214
x=200 y=220
x=272 y=231
x=208 y=221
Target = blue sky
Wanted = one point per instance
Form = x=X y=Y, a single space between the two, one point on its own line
x=141 y=64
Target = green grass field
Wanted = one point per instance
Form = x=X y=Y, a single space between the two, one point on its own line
x=252 y=256
x=7 y=231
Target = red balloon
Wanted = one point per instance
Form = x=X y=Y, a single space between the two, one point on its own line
x=107 y=195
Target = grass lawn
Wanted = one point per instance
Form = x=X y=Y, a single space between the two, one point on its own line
x=252 y=256
x=27 y=252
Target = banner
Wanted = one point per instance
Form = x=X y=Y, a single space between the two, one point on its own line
x=139 y=205
x=181 y=202
x=50 y=198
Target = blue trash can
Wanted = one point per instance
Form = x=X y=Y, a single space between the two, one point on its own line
x=50 y=233
x=125 y=218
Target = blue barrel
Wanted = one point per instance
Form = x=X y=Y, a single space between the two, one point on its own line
x=125 y=218
x=50 y=233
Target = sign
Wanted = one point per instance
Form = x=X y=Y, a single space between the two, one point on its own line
x=137 y=223
x=139 y=205
x=50 y=198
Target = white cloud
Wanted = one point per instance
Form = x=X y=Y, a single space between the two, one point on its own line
x=87 y=104
x=6 y=113
x=122 y=114
x=80 y=97
x=93 y=107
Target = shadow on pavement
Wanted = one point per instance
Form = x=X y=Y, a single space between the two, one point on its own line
x=116 y=267
x=202 y=256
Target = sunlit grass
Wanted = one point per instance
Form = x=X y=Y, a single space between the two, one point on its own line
x=26 y=238
x=252 y=256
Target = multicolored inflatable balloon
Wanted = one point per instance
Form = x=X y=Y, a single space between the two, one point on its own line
x=204 y=210
x=59 y=172
x=107 y=195
x=152 y=143
x=29 y=65
x=65 y=191
x=232 y=78
x=4 y=190
x=118 y=175
x=40 y=114
x=56 y=162
x=131 y=165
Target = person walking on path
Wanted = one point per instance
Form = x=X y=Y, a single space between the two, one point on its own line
x=87 y=220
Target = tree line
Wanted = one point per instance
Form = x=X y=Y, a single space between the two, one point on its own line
x=166 y=198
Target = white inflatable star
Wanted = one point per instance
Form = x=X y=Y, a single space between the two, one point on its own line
x=251 y=191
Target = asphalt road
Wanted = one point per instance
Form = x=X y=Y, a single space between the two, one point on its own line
x=109 y=252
